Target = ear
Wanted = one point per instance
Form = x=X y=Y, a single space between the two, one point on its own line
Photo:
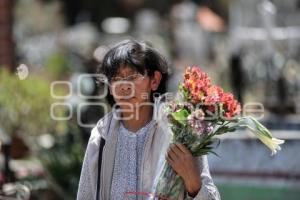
x=155 y=80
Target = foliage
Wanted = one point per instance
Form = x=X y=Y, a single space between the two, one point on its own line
x=25 y=105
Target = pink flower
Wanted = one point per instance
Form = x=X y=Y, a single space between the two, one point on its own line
x=196 y=82
x=196 y=121
x=231 y=106
x=199 y=89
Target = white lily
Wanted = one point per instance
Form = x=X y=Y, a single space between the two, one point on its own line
x=264 y=135
x=271 y=143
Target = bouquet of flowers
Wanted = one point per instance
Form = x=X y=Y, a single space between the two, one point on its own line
x=200 y=113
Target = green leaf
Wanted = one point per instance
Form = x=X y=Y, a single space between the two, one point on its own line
x=180 y=116
x=260 y=128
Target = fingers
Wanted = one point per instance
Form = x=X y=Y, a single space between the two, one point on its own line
x=172 y=154
x=176 y=149
x=182 y=148
x=170 y=161
x=177 y=152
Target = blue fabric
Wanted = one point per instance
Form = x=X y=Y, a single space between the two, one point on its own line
x=128 y=161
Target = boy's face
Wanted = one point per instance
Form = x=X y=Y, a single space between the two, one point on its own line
x=131 y=89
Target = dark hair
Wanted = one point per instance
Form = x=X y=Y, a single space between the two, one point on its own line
x=138 y=55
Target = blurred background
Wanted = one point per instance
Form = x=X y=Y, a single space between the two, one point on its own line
x=49 y=98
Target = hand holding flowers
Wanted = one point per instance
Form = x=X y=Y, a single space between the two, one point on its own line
x=185 y=165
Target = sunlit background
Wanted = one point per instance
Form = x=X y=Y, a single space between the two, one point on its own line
x=49 y=98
